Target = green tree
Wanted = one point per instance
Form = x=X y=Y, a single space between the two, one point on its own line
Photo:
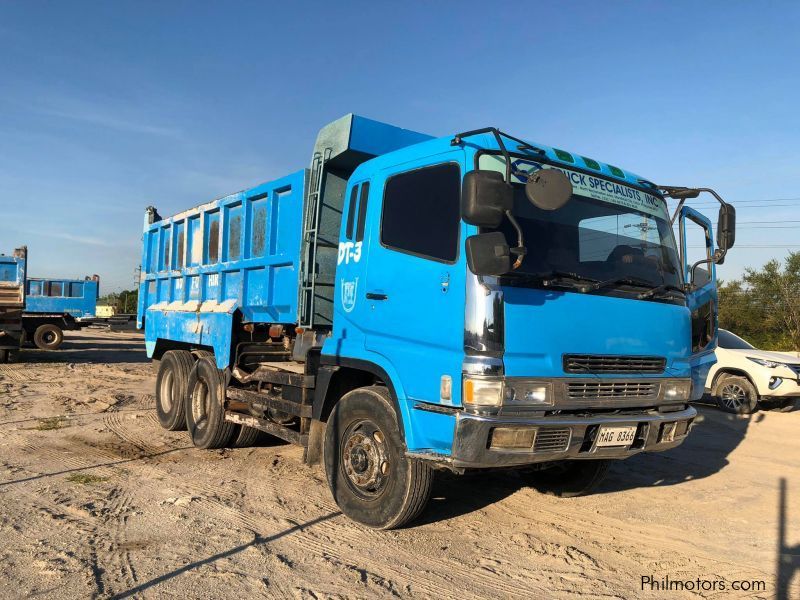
x=127 y=301
x=764 y=305
x=124 y=302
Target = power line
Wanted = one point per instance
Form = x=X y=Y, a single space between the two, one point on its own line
x=782 y=221
x=750 y=200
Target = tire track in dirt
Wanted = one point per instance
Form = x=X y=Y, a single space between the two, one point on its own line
x=224 y=505
x=336 y=544
x=654 y=549
x=211 y=499
x=62 y=456
x=329 y=540
x=12 y=373
x=77 y=523
x=119 y=512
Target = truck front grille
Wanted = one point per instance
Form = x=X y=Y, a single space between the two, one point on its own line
x=586 y=390
x=552 y=440
x=608 y=363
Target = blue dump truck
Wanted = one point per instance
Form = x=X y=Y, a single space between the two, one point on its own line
x=13 y=271
x=56 y=305
x=410 y=304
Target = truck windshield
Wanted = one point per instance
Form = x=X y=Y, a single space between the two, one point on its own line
x=596 y=240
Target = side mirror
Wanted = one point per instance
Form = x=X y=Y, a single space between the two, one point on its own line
x=485 y=197
x=726 y=227
x=488 y=254
x=548 y=189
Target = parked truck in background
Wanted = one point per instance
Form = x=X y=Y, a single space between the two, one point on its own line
x=55 y=305
x=12 y=301
x=410 y=304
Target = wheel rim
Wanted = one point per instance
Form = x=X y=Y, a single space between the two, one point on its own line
x=49 y=338
x=365 y=458
x=200 y=398
x=734 y=396
x=166 y=391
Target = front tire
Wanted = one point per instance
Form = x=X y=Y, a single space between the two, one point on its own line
x=172 y=384
x=48 y=337
x=787 y=405
x=736 y=395
x=205 y=414
x=371 y=479
x=568 y=478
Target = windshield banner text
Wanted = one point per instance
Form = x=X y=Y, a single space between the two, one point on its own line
x=583 y=184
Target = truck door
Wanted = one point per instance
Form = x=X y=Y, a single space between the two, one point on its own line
x=415 y=280
x=697 y=244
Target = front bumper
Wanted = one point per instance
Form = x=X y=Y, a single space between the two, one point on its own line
x=564 y=437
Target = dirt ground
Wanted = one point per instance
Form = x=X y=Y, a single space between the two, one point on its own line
x=96 y=500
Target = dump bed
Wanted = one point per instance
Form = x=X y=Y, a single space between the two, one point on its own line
x=238 y=253
x=74 y=297
x=268 y=253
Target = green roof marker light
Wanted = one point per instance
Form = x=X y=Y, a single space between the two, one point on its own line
x=617 y=171
x=591 y=163
x=565 y=156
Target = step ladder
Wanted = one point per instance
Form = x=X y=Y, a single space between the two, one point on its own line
x=308 y=270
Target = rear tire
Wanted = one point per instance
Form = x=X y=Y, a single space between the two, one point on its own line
x=172 y=385
x=372 y=480
x=4 y=356
x=736 y=395
x=569 y=478
x=205 y=414
x=48 y=337
x=245 y=437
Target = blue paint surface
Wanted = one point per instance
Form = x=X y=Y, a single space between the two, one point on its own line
x=12 y=270
x=74 y=297
x=242 y=254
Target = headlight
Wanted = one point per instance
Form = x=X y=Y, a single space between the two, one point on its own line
x=483 y=392
x=765 y=363
x=528 y=393
x=495 y=392
x=677 y=390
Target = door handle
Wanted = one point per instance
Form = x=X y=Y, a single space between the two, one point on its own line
x=376 y=296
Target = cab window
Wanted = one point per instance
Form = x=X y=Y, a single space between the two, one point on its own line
x=421 y=212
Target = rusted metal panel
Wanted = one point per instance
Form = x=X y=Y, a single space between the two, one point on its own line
x=280 y=431
x=265 y=400
x=276 y=376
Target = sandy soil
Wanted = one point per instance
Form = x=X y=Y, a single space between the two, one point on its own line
x=101 y=502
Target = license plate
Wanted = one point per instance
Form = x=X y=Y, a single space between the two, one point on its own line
x=615 y=436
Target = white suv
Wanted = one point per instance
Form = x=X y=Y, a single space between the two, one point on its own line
x=745 y=378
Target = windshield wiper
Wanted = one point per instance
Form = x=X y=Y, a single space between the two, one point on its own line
x=622 y=280
x=588 y=284
x=555 y=277
x=665 y=287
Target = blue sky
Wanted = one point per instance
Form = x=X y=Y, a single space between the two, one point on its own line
x=106 y=107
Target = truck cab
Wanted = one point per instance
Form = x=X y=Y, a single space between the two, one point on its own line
x=518 y=366
x=13 y=273
x=56 y=305
x=448 y=303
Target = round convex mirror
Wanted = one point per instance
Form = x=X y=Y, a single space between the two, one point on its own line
x=548 y=189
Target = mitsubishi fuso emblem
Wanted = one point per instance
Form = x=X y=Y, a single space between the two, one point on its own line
x=349 y=290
